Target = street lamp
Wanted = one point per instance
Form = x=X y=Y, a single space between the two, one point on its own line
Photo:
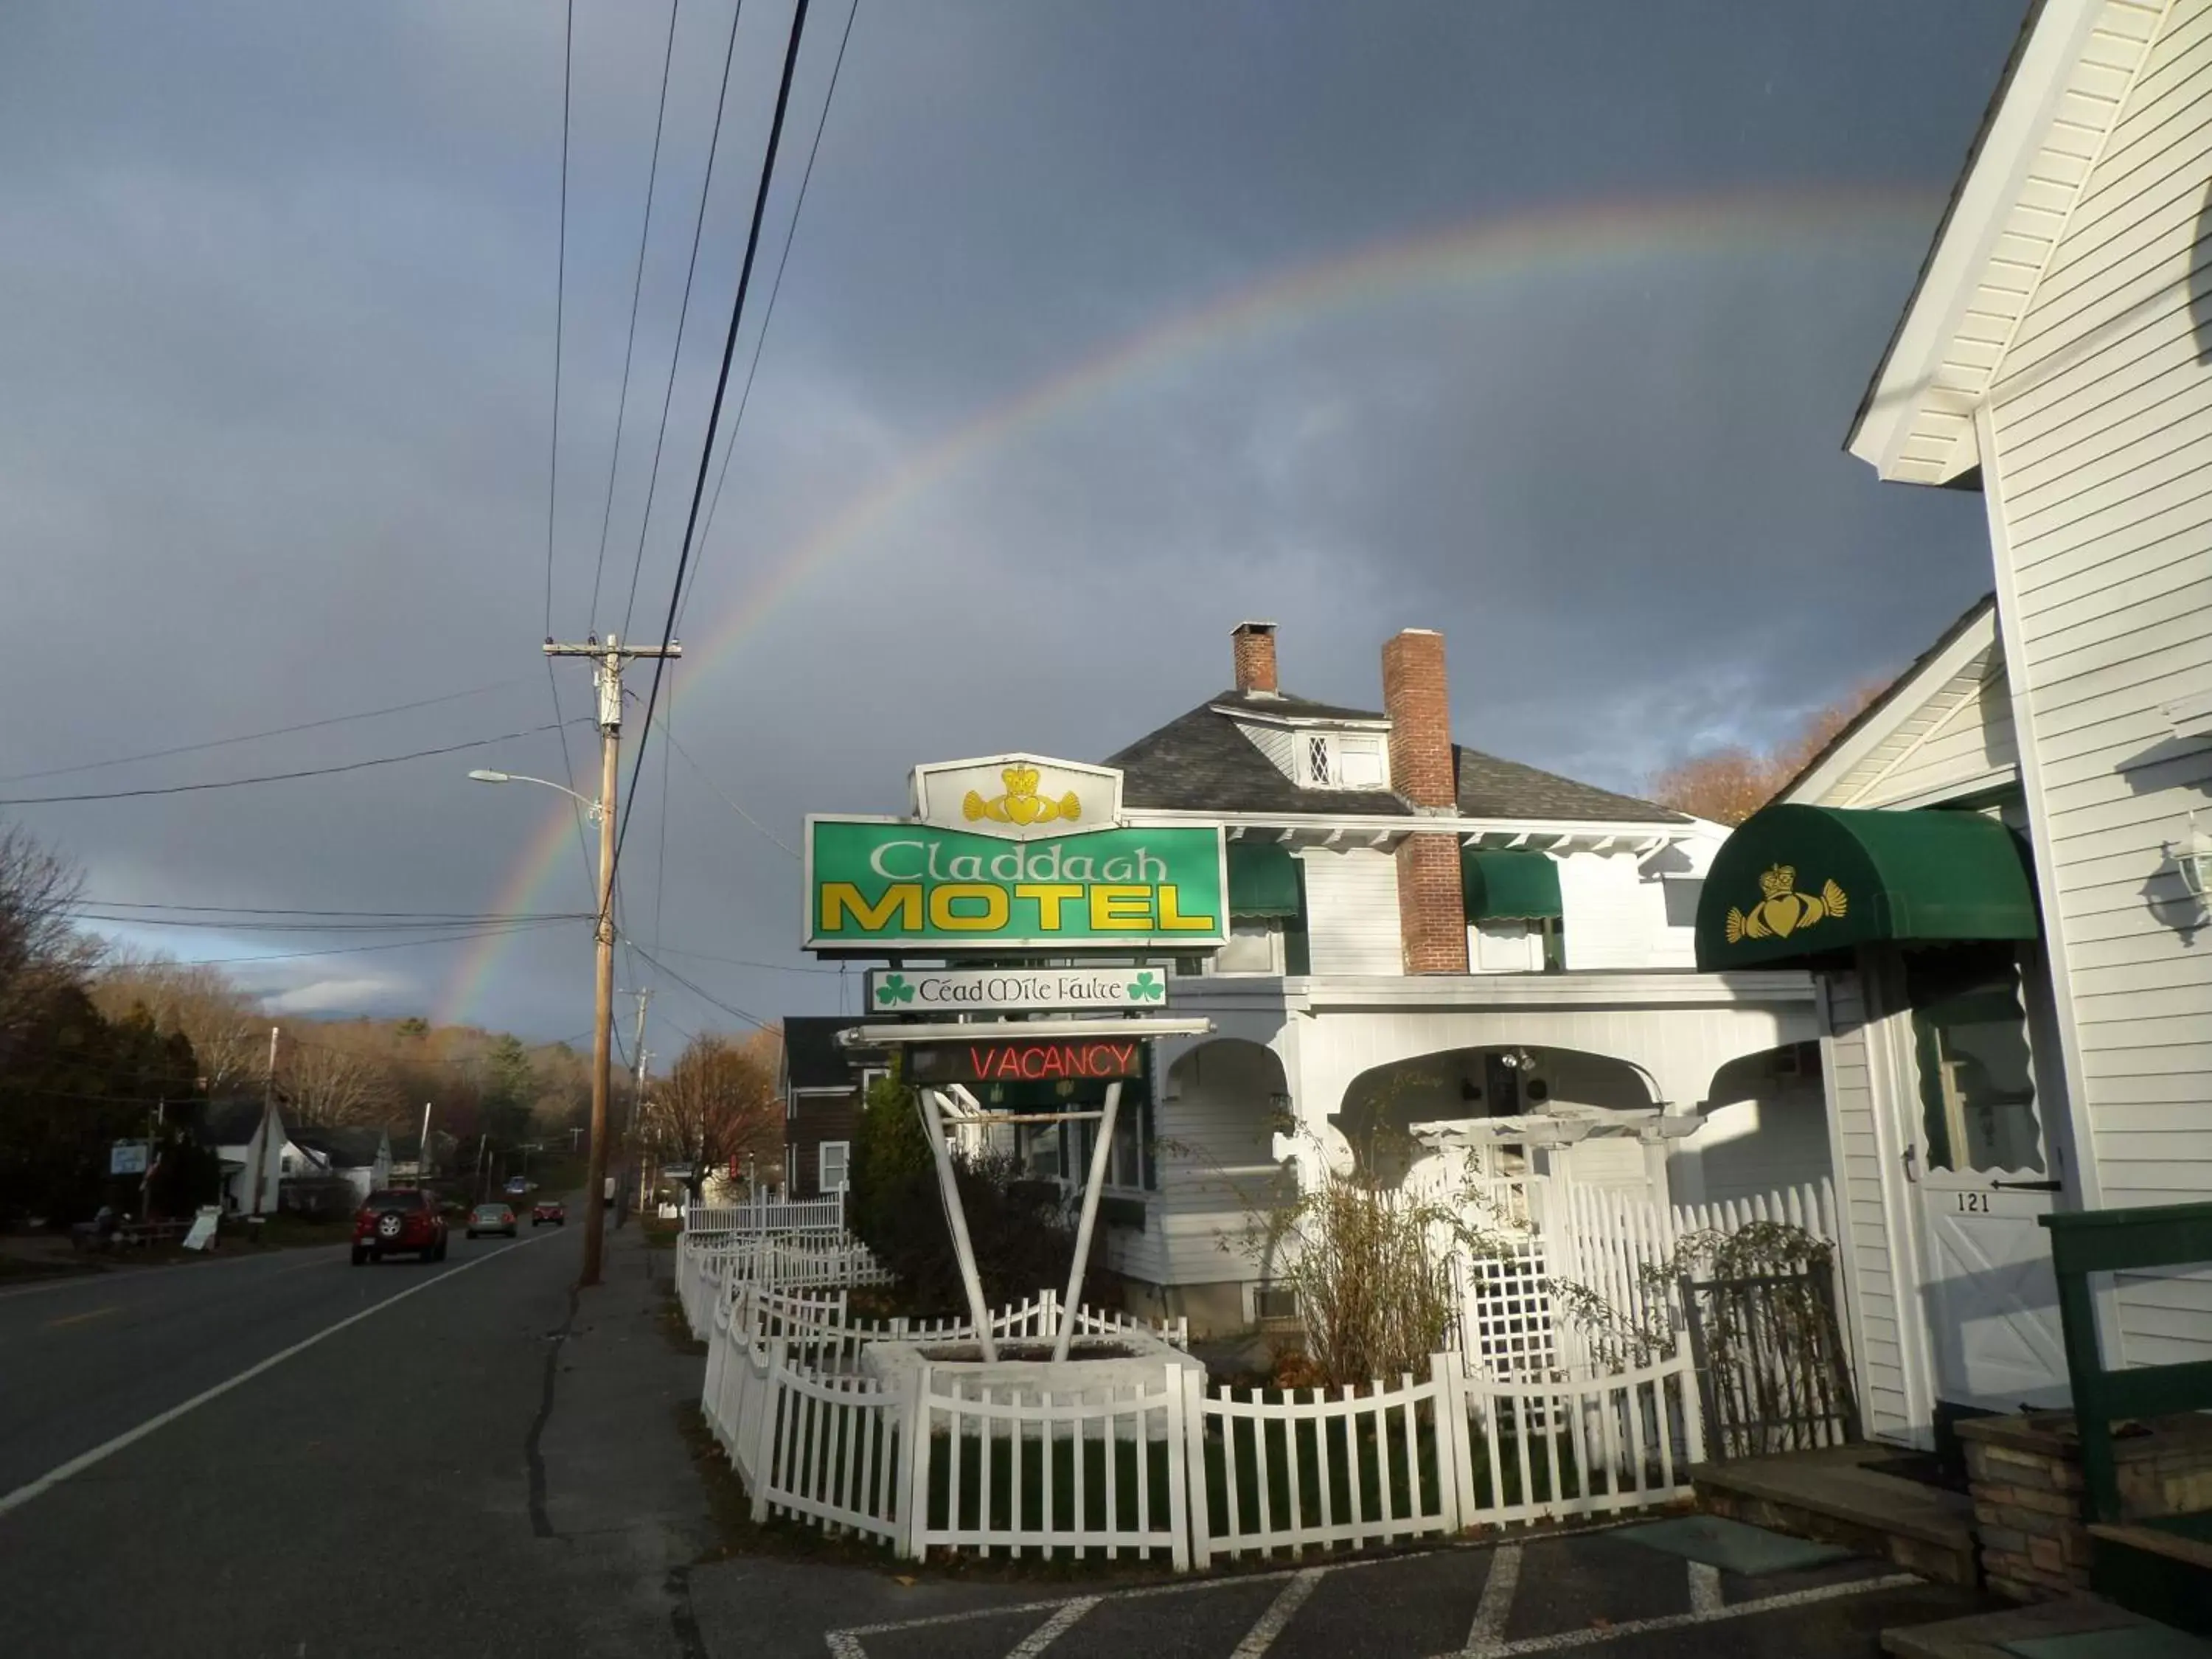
x=603 y=932
x=484 y=776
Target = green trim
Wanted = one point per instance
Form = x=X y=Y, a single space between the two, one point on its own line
x=1498 y=886
x=1263 y=879
x=1923 y=875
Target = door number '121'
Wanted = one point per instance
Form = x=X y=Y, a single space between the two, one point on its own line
x=1973 y=1203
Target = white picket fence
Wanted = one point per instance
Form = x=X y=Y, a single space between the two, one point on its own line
x=770 y=1215
x=708 y=1266
x=1169 y=1471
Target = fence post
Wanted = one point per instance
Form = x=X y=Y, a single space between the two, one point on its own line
x=1193 y=1457
x=1449 y=1437
x=913 y=1473
x=1177 y=1437
x=764 y=1447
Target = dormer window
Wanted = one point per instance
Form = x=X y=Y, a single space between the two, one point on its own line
x=1343 y=760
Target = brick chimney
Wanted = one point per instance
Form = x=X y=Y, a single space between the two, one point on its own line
x=1255 y=657
x=1431 y=911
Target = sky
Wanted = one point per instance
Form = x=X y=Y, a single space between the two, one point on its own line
x=1103 y=328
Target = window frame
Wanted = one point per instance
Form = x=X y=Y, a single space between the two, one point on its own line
x=821 y=1166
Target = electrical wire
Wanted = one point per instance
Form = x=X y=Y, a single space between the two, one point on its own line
x=683 y=313
x=256 y=737
x=637 y=289
x=560 y=305
x=234 y=927
x=448 y=917
x=775 y=287
x=728 y=799
x=280 y=777
x=356 y=950
x=740 y=962
x=706 y=996
x=721 y=391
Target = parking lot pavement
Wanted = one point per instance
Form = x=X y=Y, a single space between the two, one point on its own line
x=1596 y=1591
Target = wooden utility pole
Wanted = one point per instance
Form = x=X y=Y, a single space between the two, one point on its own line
x=608 y=661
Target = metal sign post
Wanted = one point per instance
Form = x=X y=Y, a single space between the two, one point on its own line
x=1099 y=1155
x=956 y=1213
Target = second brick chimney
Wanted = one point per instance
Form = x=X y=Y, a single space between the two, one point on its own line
x=1432 y=910
x=1255 y=657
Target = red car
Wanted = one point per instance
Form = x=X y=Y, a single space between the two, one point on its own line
x=388 y=1223
x=550 y=1210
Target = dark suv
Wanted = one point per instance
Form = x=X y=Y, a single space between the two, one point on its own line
x=389 y=1222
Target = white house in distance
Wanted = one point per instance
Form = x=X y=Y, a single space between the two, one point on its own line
x=1422 y=935
x=2052 y=1048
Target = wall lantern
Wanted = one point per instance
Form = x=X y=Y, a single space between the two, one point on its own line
x=2192 y=857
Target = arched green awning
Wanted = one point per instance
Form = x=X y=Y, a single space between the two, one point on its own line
x=1794 y=883
x=1505 y=885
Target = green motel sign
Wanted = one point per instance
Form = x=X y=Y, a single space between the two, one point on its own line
x=880 y=883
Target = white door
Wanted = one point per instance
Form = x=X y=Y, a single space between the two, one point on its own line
x=1981 y=1167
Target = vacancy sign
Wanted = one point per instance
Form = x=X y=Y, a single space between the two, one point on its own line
x=911 y=990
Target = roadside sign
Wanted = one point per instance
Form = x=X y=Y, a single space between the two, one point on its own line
x=883 y=883
x=127 y=1158
x=1102 y=1058
x=914 y=990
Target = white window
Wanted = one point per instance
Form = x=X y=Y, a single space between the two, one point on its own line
x=1344 y=760
x=835 y=1154
x=1251 y=948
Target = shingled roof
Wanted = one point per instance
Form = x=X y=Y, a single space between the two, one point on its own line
x=1201 y=762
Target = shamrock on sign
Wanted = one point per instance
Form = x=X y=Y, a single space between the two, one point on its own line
x=894 y=989
x=1146 y=987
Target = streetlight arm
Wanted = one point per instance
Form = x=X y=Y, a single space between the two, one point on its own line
x=486 y=776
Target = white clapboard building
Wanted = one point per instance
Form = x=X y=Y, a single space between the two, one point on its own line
x=1422 y=934
x=1997 y=874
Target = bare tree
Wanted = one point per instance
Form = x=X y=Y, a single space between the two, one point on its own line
x=40 y=950
x=227 y=1032
x=719 y=1102
x=330 y=1086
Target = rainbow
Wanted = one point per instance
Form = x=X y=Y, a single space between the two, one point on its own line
x=1478 y=254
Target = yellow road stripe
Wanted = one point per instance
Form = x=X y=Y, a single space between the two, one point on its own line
x=79 y=1319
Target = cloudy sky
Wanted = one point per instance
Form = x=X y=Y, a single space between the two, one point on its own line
x=1104 y=326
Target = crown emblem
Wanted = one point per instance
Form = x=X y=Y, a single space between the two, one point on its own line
x=1021 y=804
x=1784 y=909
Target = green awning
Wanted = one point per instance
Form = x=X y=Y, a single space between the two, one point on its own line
x=1794 y=883
x=1500 y=886
x=1263 y=879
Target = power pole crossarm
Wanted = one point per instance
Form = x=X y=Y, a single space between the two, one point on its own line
x=609 y=657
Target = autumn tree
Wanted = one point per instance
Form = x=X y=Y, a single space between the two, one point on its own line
x=1728 y=785
x=330 y=1085
x=719 y=1102
x=228 y=1033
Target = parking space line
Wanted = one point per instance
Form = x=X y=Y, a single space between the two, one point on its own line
x=1581 y=1638
x=1704 y=1588
x=1488 y=1631
x=1052 y=1628
x=1287 y=1602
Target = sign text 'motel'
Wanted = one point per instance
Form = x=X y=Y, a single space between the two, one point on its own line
x=1046 y=1058
x=878 y=882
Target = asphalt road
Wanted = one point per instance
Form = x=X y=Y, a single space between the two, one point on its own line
x=462 y=1457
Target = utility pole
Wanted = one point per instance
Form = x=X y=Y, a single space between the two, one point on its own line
x=608 y=661
x=268 y=1106
x=632 y=1173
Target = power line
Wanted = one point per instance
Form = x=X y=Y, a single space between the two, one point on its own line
x=280 y=777
x=228 y=926
x=728 y=799
x=636 y=288
x=560 y=305
x=740 y=962
x=683 y=312
x=775 y=287
x=706 y=996
x=721 y=391
x=256 y=737
x=357 y=949
x=449 y=917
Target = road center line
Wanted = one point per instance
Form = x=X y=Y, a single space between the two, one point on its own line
x=1488 y=1631
x=77 y=1465
x=80 y=1318
x=1279 y=1613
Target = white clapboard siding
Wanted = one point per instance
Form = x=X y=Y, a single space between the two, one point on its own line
x=1608 y=914
x=1352 y=912
x=1870 y=1274
x=2102 y=416
x=1277 y=743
